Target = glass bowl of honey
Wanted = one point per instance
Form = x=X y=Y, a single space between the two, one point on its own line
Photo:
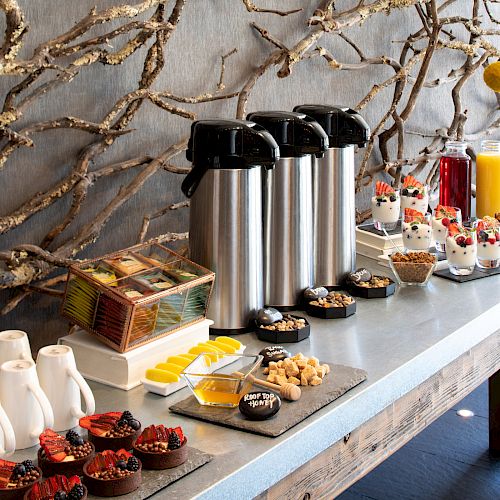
x=221 y=379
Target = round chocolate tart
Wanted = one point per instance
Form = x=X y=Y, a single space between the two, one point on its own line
x=159 y=460
x=112 y=487
x=126 y=442
x=27 y=494
x=66 y=468
x=19 y=492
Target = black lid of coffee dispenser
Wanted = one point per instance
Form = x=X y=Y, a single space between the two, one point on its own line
x=296 y=133
x=227 y=144
x=343 y=125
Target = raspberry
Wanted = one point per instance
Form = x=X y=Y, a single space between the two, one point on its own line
x=469 y=241
x=492 y=241
x=460 y=240
x=446 y=221
x=420 y=196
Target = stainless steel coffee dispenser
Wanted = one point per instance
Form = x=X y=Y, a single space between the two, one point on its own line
x=225 y=224
x=334 y=196
x=288 y=209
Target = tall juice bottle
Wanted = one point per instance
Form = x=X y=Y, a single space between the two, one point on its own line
x=456 y=178
x=488 y=179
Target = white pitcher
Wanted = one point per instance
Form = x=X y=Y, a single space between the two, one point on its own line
x=14 y=344
x=8 y=442
x=62 y=383
x=24 y=402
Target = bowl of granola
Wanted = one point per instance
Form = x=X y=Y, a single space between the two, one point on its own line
x=413 y=268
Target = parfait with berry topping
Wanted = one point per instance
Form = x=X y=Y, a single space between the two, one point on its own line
x=160 y=447
x=417 y=233
x=461 y=249
x=414 y=195
x=442 y=218
x=385 y=206
x=488 y=242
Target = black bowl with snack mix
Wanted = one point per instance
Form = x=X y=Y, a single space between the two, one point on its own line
x=334 y=305
x=377 y=287
x=289 y=329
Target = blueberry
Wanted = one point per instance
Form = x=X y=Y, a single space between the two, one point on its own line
x=415 y=194
x=414 y=228
x=19 y=470
x=378 y=203
x=392 y=198
x=404 y=192
x=121 y=464
x=135 y=424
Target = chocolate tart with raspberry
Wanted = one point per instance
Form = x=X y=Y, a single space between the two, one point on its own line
x=58 y=487
x=112 y=431
x=63 y=455
x=17 y=478
x=160 y=447
x=110 y=473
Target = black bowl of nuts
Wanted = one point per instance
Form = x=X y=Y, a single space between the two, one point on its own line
x=288 y=329
x=334 y=305
x=362 y=283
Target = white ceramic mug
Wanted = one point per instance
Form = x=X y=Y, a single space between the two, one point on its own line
x=62 y=383
x=8 y=443
x=14 y=344
x=24 y=402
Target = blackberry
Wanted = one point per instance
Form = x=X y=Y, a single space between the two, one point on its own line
x=126 y=415
x=60 y=495
x=74 y=438
x=121 y=423
x=29 y=465
x=133 y=464
x=121 y=464
x=76 y=492
x=174 y=441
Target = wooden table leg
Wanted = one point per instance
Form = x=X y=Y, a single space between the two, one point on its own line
x=494 y=413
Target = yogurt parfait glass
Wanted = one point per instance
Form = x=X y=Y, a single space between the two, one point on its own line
x=416 y=229
x=385 y=204
x=414 y=195
x=442 y=218
x=461 y=249
x=488 y=242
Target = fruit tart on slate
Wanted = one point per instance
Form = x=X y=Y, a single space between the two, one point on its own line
x=160 y=447
x=111 y=473
x=58 y=488
x=17 y=478
x=63 y=455
x=112 y=430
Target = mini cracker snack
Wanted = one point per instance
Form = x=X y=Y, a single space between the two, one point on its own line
x=297 y=370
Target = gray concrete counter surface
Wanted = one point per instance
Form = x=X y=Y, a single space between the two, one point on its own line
x=400 y=341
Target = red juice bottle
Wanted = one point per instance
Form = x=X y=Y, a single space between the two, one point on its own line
x=455 y=178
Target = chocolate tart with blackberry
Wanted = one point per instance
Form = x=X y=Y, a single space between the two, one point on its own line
x=58 y=487
x=17 y=478
x=111 y=473
x=112 y=431
x=63 y=455
x=160 y=447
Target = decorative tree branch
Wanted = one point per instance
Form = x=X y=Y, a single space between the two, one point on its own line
x=36 y=266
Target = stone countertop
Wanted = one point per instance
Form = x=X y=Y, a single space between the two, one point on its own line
x=400 y=341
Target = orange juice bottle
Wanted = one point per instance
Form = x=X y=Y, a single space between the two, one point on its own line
x=488 y=179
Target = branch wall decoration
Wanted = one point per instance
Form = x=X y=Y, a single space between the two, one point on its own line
x=97 y=105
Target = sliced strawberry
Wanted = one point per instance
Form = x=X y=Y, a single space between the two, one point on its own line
x=6 y=469
x=46 y=490
x=412 y=215
x=100 y=424
x=453 y=229
x=178 y=431
x=53 y=445
x=410 y=181
x=383 y=188
x=445 y=211
x=102 y=461
x=73 y=481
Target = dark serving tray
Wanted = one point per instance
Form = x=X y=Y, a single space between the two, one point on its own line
x=372 y=293
x=331 y=312
x=277 y=337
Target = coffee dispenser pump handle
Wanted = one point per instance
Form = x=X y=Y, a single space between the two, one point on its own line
x=227 y=144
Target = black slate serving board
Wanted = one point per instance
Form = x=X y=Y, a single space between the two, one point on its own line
x=478 y=273
x=340 y=380
x=154 y=481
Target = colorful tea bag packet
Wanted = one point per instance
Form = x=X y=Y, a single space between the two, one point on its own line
x=156 y=281
x=128 y=264
x=102 y=274
x=181 y=275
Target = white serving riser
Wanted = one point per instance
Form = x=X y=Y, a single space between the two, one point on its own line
x=164 y=389
x=96 y=361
